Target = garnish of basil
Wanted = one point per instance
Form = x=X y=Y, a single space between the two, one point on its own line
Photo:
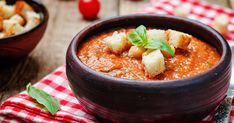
x=160 y=44
x=139 y=38
x=50 y=103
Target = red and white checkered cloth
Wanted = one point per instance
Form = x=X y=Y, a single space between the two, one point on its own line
x=203 y=12
x=22 y=108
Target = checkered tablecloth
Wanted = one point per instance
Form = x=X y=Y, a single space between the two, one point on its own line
x=22 y=108
x=203 y=12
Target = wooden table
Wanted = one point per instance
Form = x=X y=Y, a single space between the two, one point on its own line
x=64 y=23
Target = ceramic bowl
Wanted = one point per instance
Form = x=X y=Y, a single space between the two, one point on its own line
x=16 y=47
x=122 y=100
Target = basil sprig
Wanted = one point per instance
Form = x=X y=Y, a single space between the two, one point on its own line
x=50 y=103
x=139 y=38
x=160 y=44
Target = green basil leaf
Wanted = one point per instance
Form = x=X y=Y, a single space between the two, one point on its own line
x=161 y=45
x=141 y=30
x=50 y=103
x=138 y=36
x=135 y=39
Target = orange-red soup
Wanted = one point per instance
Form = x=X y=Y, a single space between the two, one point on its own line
x=199 y=57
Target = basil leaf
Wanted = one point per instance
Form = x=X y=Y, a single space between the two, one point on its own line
x=138 y=36
x=50 y=103
x=160 y=44
x=141 y=30
x=135 y=39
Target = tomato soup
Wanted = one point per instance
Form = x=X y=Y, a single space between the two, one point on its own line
x=197 y=58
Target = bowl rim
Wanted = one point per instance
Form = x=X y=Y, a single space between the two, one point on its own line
x=153 y=83
x=44 y=19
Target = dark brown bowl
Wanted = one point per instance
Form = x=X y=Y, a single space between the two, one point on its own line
x=16 y=47
x=122 y=100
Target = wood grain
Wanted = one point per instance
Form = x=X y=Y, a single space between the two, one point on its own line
x=65 y=21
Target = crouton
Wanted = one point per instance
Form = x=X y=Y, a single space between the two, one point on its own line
x=183 y=10
x=30 y=24
x=31 y=15
x=11 y=27
x=136 y=52
x=117 y=42
x=17 y=18
x=153 y=34
x=178 y=39
x=154 y=63
x=2 y=35
x=129 y=44
x=33 y=19
x=6 y=11
x=21 y=7
x=2 y=3
x=1 y=23
x=221 y=24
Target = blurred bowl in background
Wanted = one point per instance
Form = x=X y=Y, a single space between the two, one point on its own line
x=17 y=47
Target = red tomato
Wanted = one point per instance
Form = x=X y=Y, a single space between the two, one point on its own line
x=89 y=8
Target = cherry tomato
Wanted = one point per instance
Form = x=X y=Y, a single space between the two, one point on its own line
x=89 y=8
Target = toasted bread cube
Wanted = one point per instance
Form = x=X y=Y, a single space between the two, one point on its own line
x=222 y=20
x=6 y=11
x=154 y=63
x=182 y=11
x=11 y=27
x=21 y=7
x=2 y=35
x=18 y=29
x=222 y=30
x=232 y=3
x=33 y=19
x=178 y=39
x=117 y=43
x=1 y=23
x=156 y=34
x=17 y=18
x=221 y=24
x=30 y=24
x=2 y=3
x=7 y=24
x=129 y=44
x=31 y=15
x=136 y=52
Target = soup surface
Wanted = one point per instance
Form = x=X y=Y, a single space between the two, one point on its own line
x=198 y=58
